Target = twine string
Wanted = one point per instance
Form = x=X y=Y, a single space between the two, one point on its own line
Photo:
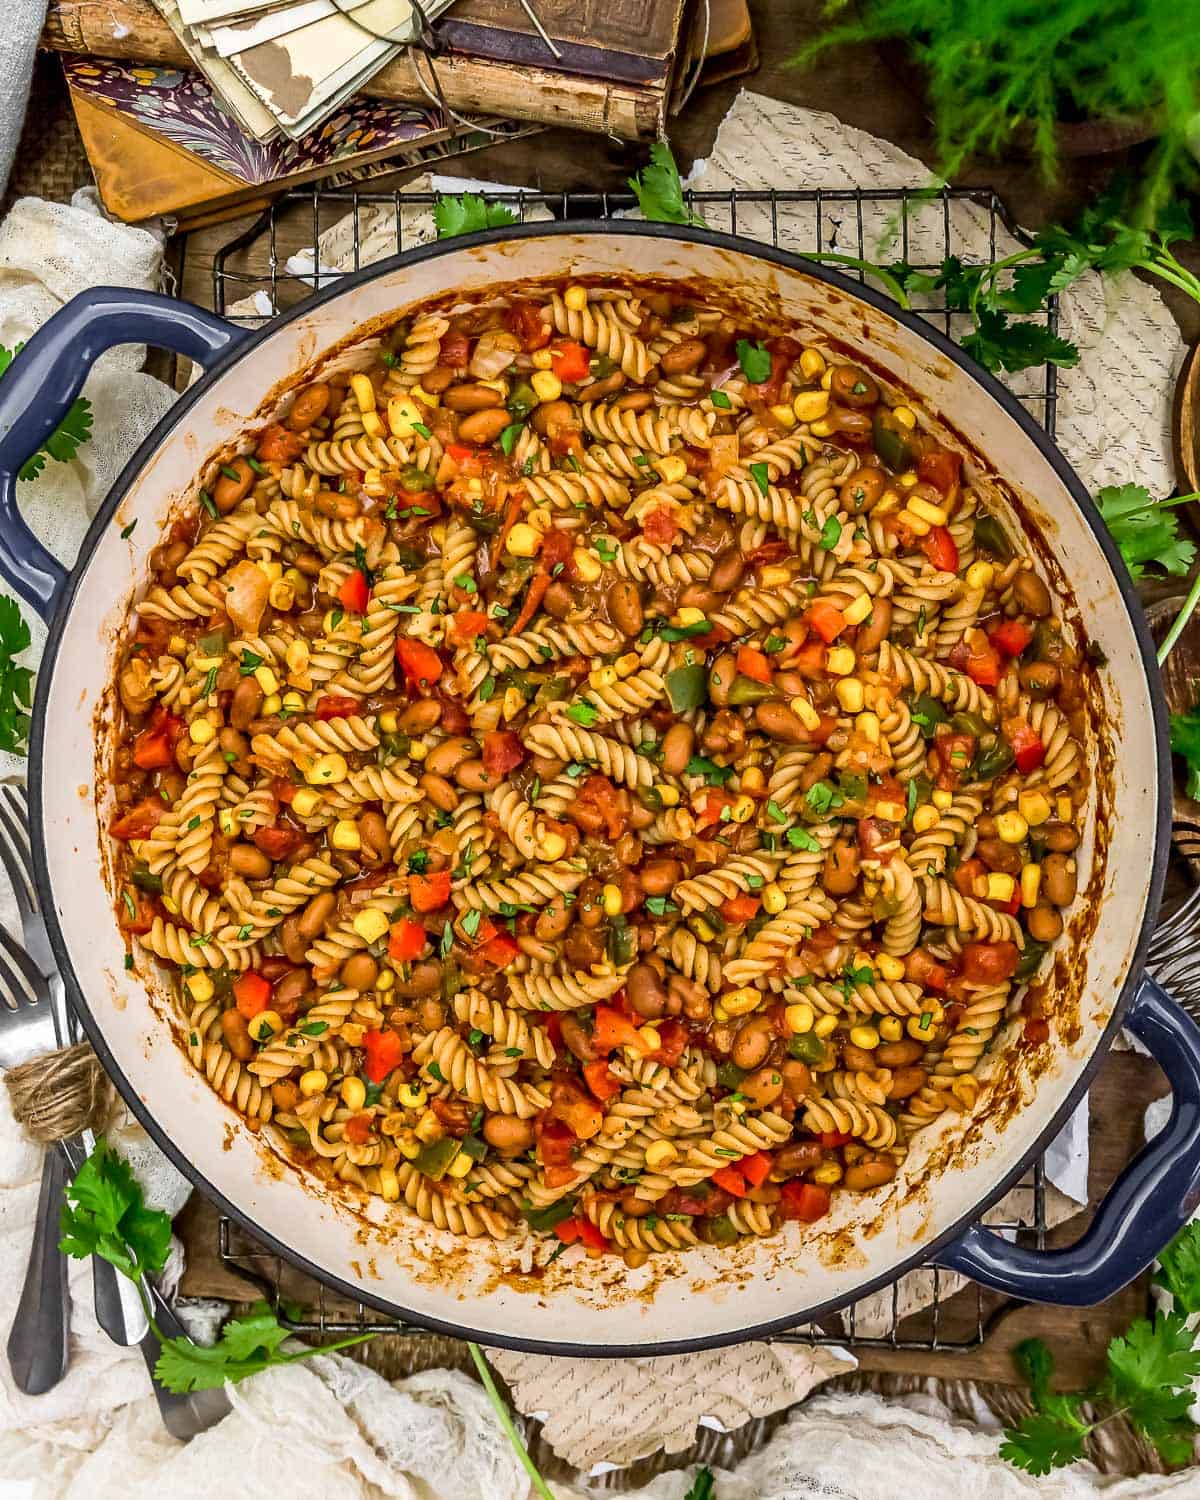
x=60 y=1094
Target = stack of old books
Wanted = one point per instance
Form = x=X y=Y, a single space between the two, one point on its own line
x=201 y=108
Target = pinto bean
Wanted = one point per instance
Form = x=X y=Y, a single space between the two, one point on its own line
x=469 y=397
x=551 y=414
x=1045 y=922
x=236 y=1031
x=720 y=678
x=870 y=1172
x=763 y=1087
x=700 y=596
x=779 y=722
x=634 y=1207
x=897 y=1054
x=727 y=571
x=584 y=947
x=424 y=978
x=315 y=915
x=436 y=380
x=309 y=406
x=683 y=357
x=359 y=972
x=840 y=874
x=336 y=506
x=752 y=1043
x=1059 y=879
x=577 y=1038
x=625 y=607
x=474 y=776
x=874 y=628
x=1040 y=678
x=634 y=401
x=598 y=389
x=858 y=1058
x=800 y=1156
x=862 y=491
x=553 y=920
x=1061 y=838
x=419 y=717
x=677 y=746
x=246 y=702
x=445 y=759
x=646 y=991
x=483 y=427
x=559 y=601
x=998 y=855
x=1030 y=593
x=507 y=1134
x=852 y=386
x=906 y=1081
x=442 y=793
x=372 y=832
x=249 y=862
x=660 y=876
x=230 y=491
x=289 y=990
x=294 y=944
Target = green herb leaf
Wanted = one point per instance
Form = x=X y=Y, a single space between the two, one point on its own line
x=1145 y=530
x=1000 y=345
x=247 y=1346
x=761 y=475
x=1041 y=1442
x=755 y=360
x=105 y=1214
x=469 y=214
x=67 y=438
x=720 y=400
x=16 y=682
x=1179 y=1264
x=659 y=191
x=583 y=714
x=702 y=1486
x=714 y=775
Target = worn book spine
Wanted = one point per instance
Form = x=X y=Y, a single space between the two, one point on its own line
x=134 y=30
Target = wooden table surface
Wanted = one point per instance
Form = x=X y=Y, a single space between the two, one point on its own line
x=862 y=88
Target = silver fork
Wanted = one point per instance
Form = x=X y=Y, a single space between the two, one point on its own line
x=118 y=1310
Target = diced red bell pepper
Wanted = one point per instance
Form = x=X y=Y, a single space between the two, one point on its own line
x=939 y=547
x=983 y=667
x=674 y=1040
x=741 y=908
x=467 y=624
x=753 y=664
x=141 y=918
x=406 y=940
x=601 y=1082
x=460 y=453
x=922 y=968
x=357 y=1129
x=335 y=706
x=806 y=1201
x=613 y=1030
x=499 y=951
x=252 y=993
x=756 y=1169
x=278 y=840
x=954 y=753
x=140 y=821
x=660 y=527
x=154 y=748
x=731 y=1180
x=567 y=1230
x=872 y=834
x=524 y=318
x=1027 y=746
x=284 y=791
x=967 y=873
x=810 y=660
x=591 y=1236
x=940 y=468
x=355 y=591
x=766 y=552
x=421 y=664
x=455 y=349
x=555 y=1141
x=557 y=547
x=502 y=752
x=990 y=963
x=570 y=361
x=1011 y=637
x=826 y=619
x=714 y=801
x=833 y=1138
x=384 y=1052
x=557 y=1177
x=429 y=892
x=278 y=445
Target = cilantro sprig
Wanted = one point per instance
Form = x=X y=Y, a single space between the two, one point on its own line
x=468 y=214
x=659 y=191
x=67 y=438
x=1148 y=1379
x=16 y=682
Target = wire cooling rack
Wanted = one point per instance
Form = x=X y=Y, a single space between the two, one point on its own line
x=926 y=1309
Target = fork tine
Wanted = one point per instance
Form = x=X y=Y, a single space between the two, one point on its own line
x=16 y=800
x=25 y=964
x=16 y=866
x=17 y=996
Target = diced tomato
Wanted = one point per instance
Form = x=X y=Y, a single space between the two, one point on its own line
x=1011 y=637
x=277 y=445
x=597 y=804
x=967 y=873
x=1036 y=1031
x=810 y=660
x=467 y=624
x=827 y=723
x=766 y=552
x=460 y=453
x=742 y=908
x=613 y=1030
x=826 y=619
x=1027 y=745
x=990 y=963
x=355 y=591
x=806 y=1201
x=524 y=318
x=674 y=1035
x=872 y=834
x=429 y=892
x=559 y=1176
x=140 y=821
x=714 y=801
x=922 y=968
x=557 y=547
x=555 y=1141
x=406 y=940
x=753 y=664
x=953 y=753
x=154 y=748
x=421 y=664
x=731 y=1180
x=983 y=667
x=568 y=1229
x=938 y=546
x=755 y=1169
x=591 y=1236
x=940 y=468
x=833 y=1138
x=141 y=918
x=659 y=527
x=502 y=752
x=384 y=1051
x=454 y=716
x=278 y=840
x=284 y=791
x=554 y=1029
x=252 y=994
x=601 y=1082
x=577 y=1110
x=570 y=361
x=455 y=349
x=499 y=951
x=357 y=1129
x=335 y=706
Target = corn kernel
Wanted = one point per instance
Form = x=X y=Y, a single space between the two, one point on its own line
x=293 y=702
x=271 y=705
x=403 y=414
x=811 y=364
x=1000 y=887
x=980 y=575
x=1031 y=884
x=1011 y=827
x=586 y=565
x=512 y=703
x=345 y=836
x=753 y=779
x=426 y=398
x=810 y=406
x=865 y=1037
x=409 y=1143
x=850 y=694
x=858 y=609
x=201 y=732
x=867 y=725
x=418 y=750
x=921 y=1028
x=840 y=661
x=888 y=501
x=553 y=845
x=460 y=1166
x=741 y=1002
x=774 y=899
x=942 y=799
x=523 y=541
x=784 y=415
x=610 y=899
x=541 y=359
x=660 y=1154
x=206 y=663
x=827 y=380
x=226 y=823
x=266 y=680
x=889 y=967
x=905 y=416
x=690 y=615
x=719 y=1012
x=388 y=721
x=265 y=1025
x=370 y=925
x=385 y=982
x=1034 y=805
x=702 y=929
x=799 y=1017
x=389 y=1185
x=314 y=1082
x=326 y=770
x=1065 y=808
x=271 y=571
x=576 y=297
x=907 y=479
x=671 y=469
x=773 y=576
x=805 y=712
x=936 y=515
x=821 y=428
x=177 y=646
x=827 y=1173
x=825 y=1026
x=915 y=524
x=546 y=385
x=602 y=677
x=364 y=392
x=353 y=1092
x=742 y=809
x=628 y=664
x=200 y=987
x=412 y=1096
x=650 y=1039
x=891 y=1028
x=668 y=796
x=296 y=655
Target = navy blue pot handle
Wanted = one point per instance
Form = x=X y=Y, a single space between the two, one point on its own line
x=1152 y=1199
x=43 y=381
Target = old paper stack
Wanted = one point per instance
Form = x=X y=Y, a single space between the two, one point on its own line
x=282 y=67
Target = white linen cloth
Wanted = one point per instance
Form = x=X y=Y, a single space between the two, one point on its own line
x=331 y=1427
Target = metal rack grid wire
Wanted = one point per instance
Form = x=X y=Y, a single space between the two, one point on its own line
x=920 y=1311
